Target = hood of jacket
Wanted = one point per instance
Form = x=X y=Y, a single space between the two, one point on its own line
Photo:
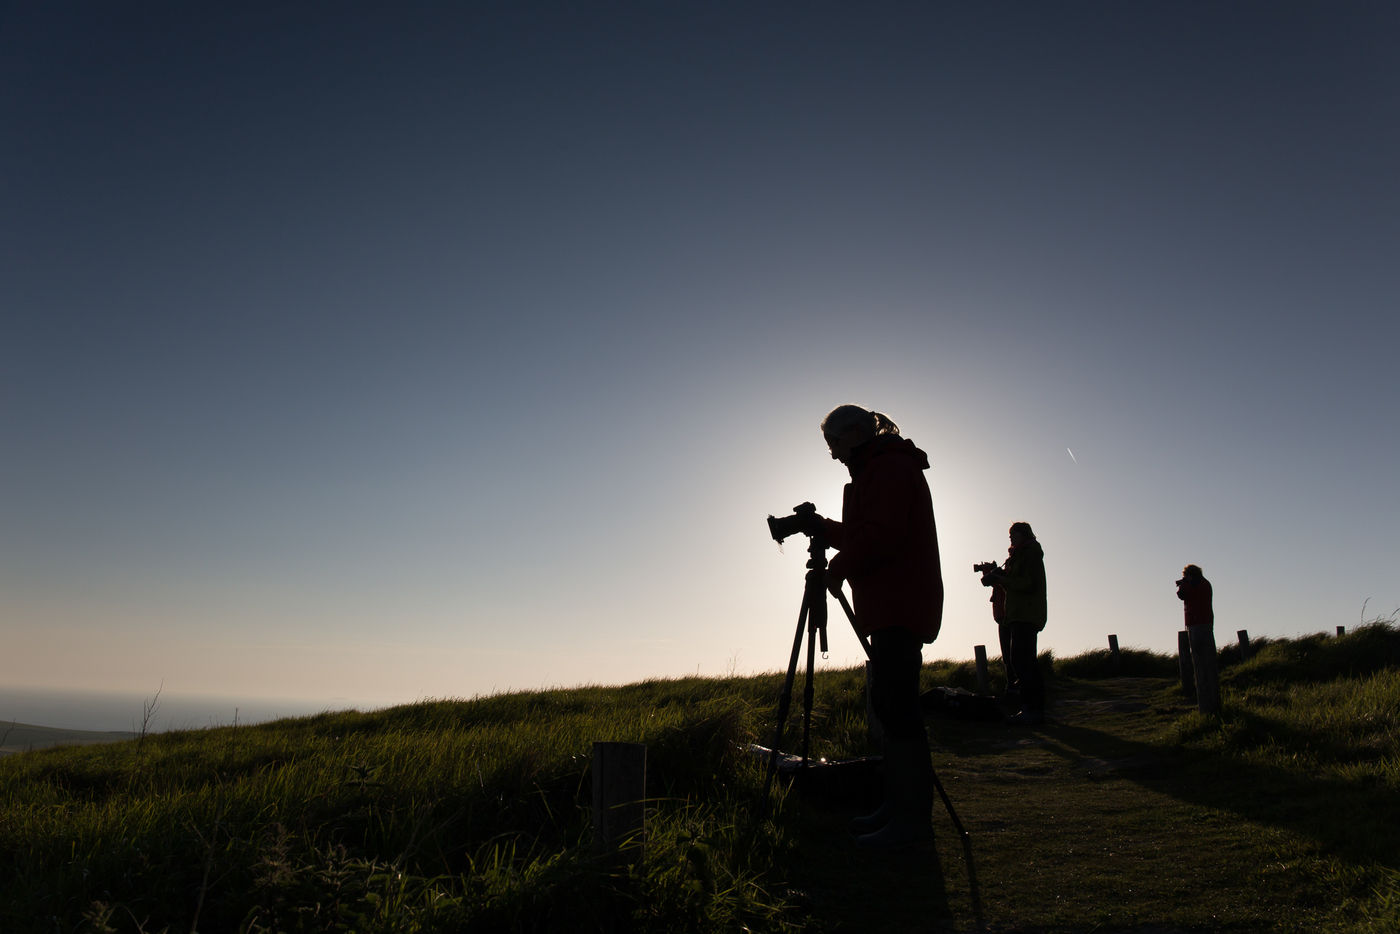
x=1031 y=548
x=886 y=446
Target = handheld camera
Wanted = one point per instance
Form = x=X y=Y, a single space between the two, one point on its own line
x=989 y=571
x=804 y=520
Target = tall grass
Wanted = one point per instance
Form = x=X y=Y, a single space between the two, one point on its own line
x=432 y=816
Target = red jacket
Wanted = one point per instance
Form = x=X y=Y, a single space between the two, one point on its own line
x=887 y=542
x=1195 y=595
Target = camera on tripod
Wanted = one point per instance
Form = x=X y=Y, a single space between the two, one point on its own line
x=989 y=571
x=804 y=520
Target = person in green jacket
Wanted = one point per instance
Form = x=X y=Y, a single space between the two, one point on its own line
x=1023 y=579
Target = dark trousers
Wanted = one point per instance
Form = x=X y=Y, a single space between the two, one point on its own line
x=1004 y=637
x=895 y=659
x=1022 y=639
x=1203 y=660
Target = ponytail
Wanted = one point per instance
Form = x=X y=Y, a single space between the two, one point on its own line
x=884 y=425
x=870 y=424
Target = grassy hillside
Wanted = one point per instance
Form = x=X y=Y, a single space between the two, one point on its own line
x=1128 y=812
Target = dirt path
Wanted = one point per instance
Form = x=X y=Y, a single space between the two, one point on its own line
x=1093 y=821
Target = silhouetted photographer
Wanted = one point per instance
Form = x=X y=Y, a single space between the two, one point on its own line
x=1195 y=594
x=991 y=572
x=1022 y=581
x=887 y=548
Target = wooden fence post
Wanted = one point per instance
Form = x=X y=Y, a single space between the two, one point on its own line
x=1183 y=661
x=1243 y=636
x=1116 y=660
x=983 y=684
x=619 y=796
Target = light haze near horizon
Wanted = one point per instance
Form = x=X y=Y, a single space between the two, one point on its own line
x=360 y=355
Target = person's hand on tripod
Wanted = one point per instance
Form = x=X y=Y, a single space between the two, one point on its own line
x=833 y=584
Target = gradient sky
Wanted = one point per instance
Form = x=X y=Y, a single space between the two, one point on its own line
x=371 y=352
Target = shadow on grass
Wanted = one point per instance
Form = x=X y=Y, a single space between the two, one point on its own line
x=1352 y=819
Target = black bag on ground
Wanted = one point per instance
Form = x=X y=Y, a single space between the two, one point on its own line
x=960 y=704
x=835 y=782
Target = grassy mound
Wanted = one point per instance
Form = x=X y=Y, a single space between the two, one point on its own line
x=1128 y=811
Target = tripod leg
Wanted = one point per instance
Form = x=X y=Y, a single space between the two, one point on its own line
x=850 y=615
x=785 y=701
x=808 y=694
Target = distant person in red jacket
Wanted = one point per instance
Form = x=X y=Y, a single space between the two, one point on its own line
x=1195 y=594
x=887 y=548
x=998 y=602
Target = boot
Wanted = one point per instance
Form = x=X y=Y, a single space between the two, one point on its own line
x=909 y=796
x=881 y=816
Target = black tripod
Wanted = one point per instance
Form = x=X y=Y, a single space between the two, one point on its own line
x=812 y=620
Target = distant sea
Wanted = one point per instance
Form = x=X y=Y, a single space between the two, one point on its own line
x=84 y=710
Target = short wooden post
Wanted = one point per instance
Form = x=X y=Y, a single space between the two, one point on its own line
x=1115 y=660
x=619 y=796
x=984 y=686
x=1206 y=666
x=1341 y=630
x=1183 y=662
x=1243 y=636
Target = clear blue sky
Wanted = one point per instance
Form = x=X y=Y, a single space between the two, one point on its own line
x=369 y=352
